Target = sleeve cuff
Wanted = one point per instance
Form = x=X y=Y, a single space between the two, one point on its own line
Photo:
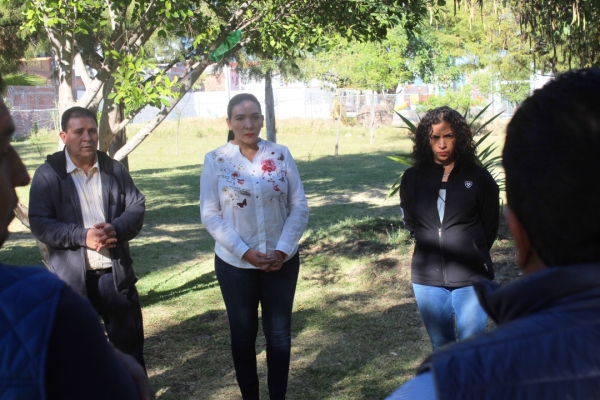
x=83 y=234
x=286 y=248
x=240 y=250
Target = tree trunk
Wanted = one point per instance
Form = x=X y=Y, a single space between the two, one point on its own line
x=63 y=50
x=120 y=138
x=339 y=121
x=270 y=108
x=110 y=117
x=373 y=117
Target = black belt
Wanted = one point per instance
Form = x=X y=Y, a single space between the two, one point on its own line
x=99 y=272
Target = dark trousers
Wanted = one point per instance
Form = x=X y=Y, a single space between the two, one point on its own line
x=243 y=290
x=121 y=313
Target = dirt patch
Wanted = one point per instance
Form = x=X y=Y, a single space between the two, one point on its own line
x=386 y=264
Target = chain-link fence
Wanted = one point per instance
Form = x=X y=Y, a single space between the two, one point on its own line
x=36 y=107
x=305 y=103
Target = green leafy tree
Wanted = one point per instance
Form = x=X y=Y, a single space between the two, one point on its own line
x=375 y=65
x=12 y=43
x=459 y=100
x=559 y=34
x=483 y=44
x=562 y=34
x=106 y=42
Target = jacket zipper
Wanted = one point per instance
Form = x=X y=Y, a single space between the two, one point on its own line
x=442 y=241
x=442 y=255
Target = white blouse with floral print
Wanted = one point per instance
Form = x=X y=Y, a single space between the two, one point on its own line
x=257 y=205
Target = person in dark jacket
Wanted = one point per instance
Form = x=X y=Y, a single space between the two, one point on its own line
x=547 y=343
x=450 y=206
x=85 y=207
x=51 y=343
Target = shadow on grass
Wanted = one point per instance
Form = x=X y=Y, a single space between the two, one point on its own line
x=172 y=194
x=349 y=186
x=357 y=354
x=203 y=282
x=346 y=346
x=30 y=155
x=173 y=203
x=20 y=249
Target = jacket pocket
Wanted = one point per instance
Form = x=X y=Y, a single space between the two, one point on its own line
x=482 y=257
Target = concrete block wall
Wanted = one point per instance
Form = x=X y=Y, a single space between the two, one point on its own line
x=32 y=105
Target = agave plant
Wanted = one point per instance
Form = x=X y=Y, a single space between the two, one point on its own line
x=485 y=157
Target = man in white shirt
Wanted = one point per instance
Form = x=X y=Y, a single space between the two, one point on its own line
x=85 y=208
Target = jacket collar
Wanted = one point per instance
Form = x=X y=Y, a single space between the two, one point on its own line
x=58 y=162
x=537 y=291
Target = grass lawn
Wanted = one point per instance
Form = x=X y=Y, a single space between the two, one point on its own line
x=357 y=333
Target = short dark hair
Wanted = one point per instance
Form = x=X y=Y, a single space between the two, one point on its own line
x=234 y=101
x=76 y=112
x=464 y=145
x=551 y=159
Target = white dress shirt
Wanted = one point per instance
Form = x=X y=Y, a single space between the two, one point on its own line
x=257 y=205
x=89 y=189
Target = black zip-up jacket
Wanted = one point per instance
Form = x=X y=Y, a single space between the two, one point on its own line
x=56 y=219
x=456 y=251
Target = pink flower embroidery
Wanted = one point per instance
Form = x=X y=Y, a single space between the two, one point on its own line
x=268 y=165
x=235 y=174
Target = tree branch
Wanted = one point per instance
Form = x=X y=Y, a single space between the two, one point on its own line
x=185 y=85
x=85 y=77
x=144 y=29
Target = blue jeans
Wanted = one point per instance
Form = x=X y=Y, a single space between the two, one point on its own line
x=243 y=290
x=439 y=306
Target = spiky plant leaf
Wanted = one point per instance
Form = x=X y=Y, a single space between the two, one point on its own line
x=483 y=110
x=487 y=123
x=409 y=125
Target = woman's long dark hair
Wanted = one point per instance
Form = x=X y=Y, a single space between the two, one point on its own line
x=464 y=145
x=235 y=100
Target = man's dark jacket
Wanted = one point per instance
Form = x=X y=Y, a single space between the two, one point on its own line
x=56 y=218
x=547 y=344
x=456 y=251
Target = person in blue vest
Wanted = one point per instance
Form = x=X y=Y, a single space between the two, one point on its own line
x=547 y=343
x=52 y=344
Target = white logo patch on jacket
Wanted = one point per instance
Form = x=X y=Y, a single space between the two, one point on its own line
x=468 y=184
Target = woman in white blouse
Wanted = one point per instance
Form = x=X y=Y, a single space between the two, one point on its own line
x=252 y=203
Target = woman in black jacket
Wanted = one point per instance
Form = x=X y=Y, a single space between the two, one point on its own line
x=450 y=206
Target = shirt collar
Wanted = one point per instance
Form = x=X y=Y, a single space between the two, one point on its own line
x=72 y=167
x=236 y=149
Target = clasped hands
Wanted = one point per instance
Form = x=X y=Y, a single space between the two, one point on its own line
x=101 y=236
x=266 y=262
